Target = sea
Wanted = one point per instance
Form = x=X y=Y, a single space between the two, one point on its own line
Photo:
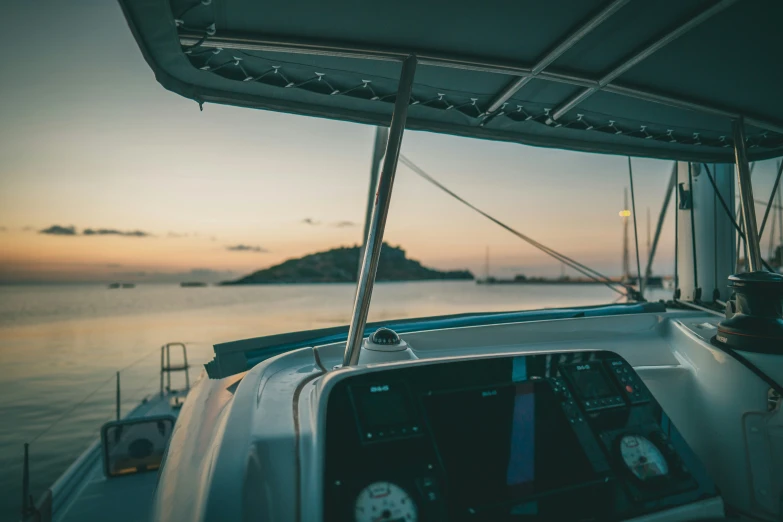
x=61 y=347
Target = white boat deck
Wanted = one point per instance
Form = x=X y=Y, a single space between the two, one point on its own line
x=85 y=493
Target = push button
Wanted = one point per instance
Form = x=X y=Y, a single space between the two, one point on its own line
x=428 y=489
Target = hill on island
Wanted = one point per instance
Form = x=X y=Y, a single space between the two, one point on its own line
x=340 y=265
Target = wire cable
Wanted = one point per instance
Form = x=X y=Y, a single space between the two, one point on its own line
x=771 y=199
x=728 y=213
x=560 y=257
x=90 y=395
x=73 y=408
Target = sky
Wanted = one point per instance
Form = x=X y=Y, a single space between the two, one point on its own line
x=106 y=176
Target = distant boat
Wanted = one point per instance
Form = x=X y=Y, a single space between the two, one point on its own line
x=114 y=285
x=128 y=285
x=192 y=284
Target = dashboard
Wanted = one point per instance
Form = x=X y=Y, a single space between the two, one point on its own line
x=548 y=436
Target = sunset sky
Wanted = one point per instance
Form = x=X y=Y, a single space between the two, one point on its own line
x=90 y=140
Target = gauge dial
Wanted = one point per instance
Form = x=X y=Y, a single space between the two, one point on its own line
x=384 y=502
x=642 y=457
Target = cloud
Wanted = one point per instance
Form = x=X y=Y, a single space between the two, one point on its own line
x=113 y=232
x=27 y=229
x=175 y=235
x=344 y=224
x=57 y=230
x=245 y=248
x=311 y=221
x=3 y=229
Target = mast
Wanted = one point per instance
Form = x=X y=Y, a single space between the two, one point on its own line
x=626 y=256
x=486 y=265
x=649 y=242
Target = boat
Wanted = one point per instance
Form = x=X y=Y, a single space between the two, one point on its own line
x=192 y=284
x=636 y=411
x=128 y=285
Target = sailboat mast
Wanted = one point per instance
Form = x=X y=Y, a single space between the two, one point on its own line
x=626 y=255
x=486 y=265
x=649 y=242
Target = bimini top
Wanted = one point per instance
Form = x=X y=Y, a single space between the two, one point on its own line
x=636 y=77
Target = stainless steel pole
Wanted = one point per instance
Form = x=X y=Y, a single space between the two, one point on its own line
x=374 y=241
x=671 y=187
x=746 y=198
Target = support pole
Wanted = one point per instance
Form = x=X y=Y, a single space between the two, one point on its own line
x=118 y=395
x=659 y=226
x=380 y=210
x=746 y=198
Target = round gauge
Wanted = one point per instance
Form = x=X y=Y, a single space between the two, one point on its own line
x=642 y=457
x=384 y=502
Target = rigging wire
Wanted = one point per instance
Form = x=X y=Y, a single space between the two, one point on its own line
x=635 y=231
x=72 y=409
x=771 y=199
x=596 y=276
x=90 y=395
x=728 y=213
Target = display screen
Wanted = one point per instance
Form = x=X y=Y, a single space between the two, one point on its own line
x=503 y=444
x=591 y=382
x=382 y=406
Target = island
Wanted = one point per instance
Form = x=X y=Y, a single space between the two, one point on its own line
x=340 y=265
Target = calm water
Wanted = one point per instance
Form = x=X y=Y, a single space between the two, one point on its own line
x=61 y=345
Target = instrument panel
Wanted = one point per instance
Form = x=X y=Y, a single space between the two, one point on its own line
x=564 y=436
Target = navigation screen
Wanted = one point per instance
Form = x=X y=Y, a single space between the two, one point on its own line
x=384 y=410
x=591 y=382
x=503 y=444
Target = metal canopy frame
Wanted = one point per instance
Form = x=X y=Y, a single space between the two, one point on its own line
x=523 y=73
x=641 y=55
x=555 y=53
